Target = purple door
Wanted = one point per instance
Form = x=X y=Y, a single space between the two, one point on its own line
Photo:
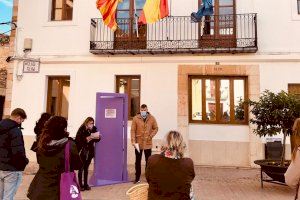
x=111 y=152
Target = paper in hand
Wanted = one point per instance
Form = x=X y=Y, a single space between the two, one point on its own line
x=95 y=135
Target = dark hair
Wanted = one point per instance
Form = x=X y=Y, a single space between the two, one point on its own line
x=54 y=129
x=86 y=121
x=41 y=122
x=19 y=112
x=143 y=106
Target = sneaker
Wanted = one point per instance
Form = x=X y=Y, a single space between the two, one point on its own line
x=194 y=18
x=87 y=187
x=136 y=182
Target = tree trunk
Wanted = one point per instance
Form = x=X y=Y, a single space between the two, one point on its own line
x=283 y=150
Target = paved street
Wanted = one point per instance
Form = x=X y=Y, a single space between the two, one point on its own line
x=210 y=183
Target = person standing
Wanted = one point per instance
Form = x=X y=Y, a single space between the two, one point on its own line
x=51 y=158
x=86 y=138
x=38 y=129
x=143 y=129
x=292 y=175
x=13 y=158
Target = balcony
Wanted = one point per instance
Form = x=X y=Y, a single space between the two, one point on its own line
x=216 y=34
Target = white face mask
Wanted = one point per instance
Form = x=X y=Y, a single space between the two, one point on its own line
x=144 y=114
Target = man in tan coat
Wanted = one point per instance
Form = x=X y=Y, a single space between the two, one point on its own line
x=143 y=129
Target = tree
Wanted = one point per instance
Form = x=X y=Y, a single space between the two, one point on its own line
x=274 y=114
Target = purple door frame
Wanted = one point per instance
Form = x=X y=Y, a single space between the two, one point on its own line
x=110 y=165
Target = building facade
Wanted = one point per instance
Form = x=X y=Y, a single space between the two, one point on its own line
x=191 y=75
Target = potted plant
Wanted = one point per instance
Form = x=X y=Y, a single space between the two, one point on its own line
x=274 y=114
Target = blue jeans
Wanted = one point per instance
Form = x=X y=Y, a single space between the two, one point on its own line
x=9 y=183
x=206 y=9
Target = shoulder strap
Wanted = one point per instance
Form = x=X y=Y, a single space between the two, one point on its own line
x=67 y=157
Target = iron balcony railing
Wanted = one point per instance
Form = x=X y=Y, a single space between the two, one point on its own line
x=214 y=34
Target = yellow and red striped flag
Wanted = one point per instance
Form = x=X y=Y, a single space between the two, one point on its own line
x=108 y=10
x=153 y=11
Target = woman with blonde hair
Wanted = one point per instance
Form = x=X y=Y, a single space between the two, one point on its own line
x=169 y=174
x=292 y=175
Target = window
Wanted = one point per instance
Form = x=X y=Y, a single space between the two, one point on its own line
x=298 y=6
x=126 y=35
x=62 y=10
x=58 y=96
x=220 y=29
x=295 y=90
x=215 y=99
x=130 y=85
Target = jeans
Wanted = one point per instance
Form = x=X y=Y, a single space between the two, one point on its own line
x=206 y=9
x=9 y=183
x=138 y=159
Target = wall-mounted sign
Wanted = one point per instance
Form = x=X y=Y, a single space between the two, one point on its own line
x=31 y=66
x=110 y=113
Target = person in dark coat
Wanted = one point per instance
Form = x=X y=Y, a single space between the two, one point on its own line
x=51 y=159
x=13 y=158
x=38 y=129
x=169 y=174
x=85 y=141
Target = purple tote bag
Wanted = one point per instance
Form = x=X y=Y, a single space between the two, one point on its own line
x=69 y=187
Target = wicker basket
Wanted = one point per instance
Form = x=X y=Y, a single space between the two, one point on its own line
x=138 y=192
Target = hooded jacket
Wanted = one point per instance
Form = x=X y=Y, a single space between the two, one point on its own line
x=12 y=151
x=45 y=184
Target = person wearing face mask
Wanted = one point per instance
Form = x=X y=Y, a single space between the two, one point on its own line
x=13 y=158
x=86 y=138
x=143 y=129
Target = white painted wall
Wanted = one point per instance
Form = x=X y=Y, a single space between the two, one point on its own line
x=229 y=133
x=278 y=25
x=158 y=91
x=276 y=76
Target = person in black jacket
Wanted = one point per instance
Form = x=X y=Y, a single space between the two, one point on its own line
x=38 y=128
x=13 y=158
x=51 y=158
x=85 y=141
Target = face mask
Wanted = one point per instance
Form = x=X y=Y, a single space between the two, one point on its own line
x=144 y=114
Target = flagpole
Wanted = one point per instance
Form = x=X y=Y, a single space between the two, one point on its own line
x=136 y=20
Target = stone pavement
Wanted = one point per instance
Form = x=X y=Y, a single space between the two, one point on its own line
x=210 y=184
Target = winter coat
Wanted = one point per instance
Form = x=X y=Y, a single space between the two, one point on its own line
x=169 y=179
x=12 y=151
x=83 y=145
x=142 y=131
x=292 y=175
x=46 y=183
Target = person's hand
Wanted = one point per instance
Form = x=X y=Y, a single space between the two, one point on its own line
x=88 y=138
x=96 y=135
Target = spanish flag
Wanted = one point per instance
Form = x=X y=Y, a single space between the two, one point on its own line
x=108 y=10
x=153 y=11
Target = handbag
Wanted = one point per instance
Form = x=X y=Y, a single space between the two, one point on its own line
x=69 y=187
x=34 y=146
x=84 y=154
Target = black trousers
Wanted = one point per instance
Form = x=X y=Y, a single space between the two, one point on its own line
x=85 y=170
x=138 y=159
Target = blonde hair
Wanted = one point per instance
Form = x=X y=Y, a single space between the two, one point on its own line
x=174 y=142
x=296 y=132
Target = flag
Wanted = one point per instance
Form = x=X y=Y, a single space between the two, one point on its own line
x=153 y=11
x=108 y=10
